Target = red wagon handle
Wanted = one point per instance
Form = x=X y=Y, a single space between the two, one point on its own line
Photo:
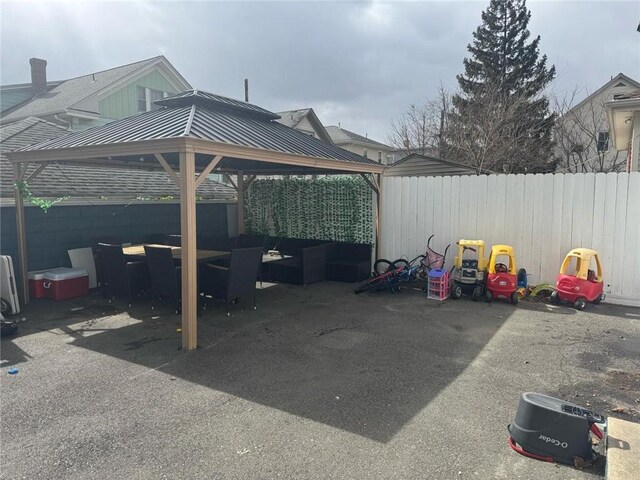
x=517 y=448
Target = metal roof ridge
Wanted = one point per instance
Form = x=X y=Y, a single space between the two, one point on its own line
x=187 y=127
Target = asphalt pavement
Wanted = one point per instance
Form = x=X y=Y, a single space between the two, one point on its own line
x=317 y=383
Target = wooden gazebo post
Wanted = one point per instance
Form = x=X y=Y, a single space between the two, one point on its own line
x=188 y=250
x=18 y=176
x=240 y=190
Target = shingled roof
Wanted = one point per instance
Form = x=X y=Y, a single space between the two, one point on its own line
x=341 y=136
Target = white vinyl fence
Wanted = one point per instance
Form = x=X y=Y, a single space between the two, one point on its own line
x=541 y=216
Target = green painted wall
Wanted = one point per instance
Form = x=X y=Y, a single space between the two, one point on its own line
x=124 y=102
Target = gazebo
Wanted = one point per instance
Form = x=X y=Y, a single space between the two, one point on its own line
x=191 y=135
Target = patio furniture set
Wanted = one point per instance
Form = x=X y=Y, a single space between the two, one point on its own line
x=228 y=268
x=302 y=261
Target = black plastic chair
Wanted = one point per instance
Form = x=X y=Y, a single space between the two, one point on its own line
x=164 y=275
x=120 y=276
x=237 y=280
x=157 y=238
x=174 y=240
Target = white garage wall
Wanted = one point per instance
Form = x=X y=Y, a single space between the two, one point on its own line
x=542 y=216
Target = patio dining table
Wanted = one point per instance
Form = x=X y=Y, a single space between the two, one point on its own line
x=201 y=255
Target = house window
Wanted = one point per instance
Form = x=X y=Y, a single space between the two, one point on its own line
x=142 y=99
x=365 y=154
x=146 y=97
x=603 y=142
x=379 y=157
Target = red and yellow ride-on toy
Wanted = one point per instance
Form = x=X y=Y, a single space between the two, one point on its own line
x=577 y=282
x=502 y=279
x=469 y=273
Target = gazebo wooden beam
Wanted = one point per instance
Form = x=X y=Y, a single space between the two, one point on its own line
x=240 y=183
x=378 y=217
x=36 y=172
x=372 y=182
x=268 y=156
x=228 y=178
x=249 y=181
x=188 y=251
x=167 y=168
x=18 y=176
x=205 y=173
x=101 y=153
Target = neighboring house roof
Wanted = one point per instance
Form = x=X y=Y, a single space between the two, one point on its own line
x=621 y=77
x=26 y=132
x=60 y=180
x=342 y=136
x=80 y=94
x=202 y=115
x=292 y=118
x=399 y=154
x=13 y=95
x=416 y=165
x=17 y=135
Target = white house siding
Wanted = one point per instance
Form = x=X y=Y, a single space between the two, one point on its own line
x=306 y=127
x=542 y=216
x=373 y=152
x=592 y=113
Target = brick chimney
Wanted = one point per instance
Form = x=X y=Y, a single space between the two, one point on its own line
x=38 y=75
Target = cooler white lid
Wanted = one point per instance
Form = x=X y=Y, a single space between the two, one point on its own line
x=64 y=273
x=37 y=274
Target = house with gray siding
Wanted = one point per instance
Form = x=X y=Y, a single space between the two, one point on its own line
x=360 y=144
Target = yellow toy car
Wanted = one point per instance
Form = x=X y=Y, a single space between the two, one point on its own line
x=502 y=279
x=469 y=274
x=577 y=283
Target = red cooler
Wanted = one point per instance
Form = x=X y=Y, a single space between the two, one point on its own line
x=63 y=283
x=36 y=284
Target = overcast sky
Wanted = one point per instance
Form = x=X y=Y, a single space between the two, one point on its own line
x=358 y=63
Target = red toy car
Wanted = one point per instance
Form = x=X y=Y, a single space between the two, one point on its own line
x=585 y=285
x=502 y=281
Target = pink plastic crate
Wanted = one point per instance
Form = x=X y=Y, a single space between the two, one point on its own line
x=438 y=284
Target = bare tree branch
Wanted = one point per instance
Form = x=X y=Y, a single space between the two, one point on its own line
x=420 y=128
x=496 y=134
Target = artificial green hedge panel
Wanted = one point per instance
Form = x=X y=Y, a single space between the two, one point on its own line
x=330 y=208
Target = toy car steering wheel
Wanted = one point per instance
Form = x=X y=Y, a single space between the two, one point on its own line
x=501 y=267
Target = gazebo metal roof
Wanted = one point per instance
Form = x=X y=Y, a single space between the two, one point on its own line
x=202 y=116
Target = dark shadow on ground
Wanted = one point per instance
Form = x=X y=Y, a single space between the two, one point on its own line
x=366 y=364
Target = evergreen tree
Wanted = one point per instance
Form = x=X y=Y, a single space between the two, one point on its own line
x=502 y=88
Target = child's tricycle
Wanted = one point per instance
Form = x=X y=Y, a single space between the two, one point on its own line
x=468 y=274
x=502 y=279
x=584 y=284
